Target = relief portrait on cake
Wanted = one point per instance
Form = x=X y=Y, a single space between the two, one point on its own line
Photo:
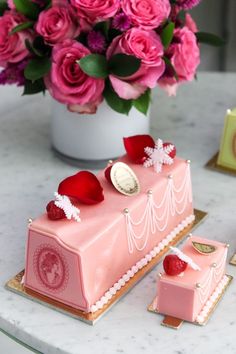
x=50 y=267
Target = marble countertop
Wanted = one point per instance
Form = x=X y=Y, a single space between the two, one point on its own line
x=30 y=171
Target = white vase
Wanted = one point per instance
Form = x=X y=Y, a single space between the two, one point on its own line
x=92 y=139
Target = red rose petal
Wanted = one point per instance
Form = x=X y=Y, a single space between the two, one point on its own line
x=135 y=145
x=107 y=173
x=172 y=154
x=84 y=186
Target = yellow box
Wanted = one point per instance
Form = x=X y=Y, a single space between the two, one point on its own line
x=227 y=154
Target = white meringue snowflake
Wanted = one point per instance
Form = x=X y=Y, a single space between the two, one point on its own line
x=185 y=258
x=64 y=203
x=158 y=155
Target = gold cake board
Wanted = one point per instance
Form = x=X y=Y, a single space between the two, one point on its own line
x=15 y=284
x=233 y=260
x=176 y=323
x=212 y=165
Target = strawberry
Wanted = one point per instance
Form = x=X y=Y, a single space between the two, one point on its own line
x=173 y=265
x=54 y=213
x=172 y=154
x=107 y=173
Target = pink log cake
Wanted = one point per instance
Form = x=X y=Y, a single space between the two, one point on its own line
x=189 y=295
x=84 y=264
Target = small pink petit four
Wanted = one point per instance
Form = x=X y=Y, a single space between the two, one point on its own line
x=187 y=294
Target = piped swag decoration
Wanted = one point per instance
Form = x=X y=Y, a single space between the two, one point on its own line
x=142 y=149
x=83 y=187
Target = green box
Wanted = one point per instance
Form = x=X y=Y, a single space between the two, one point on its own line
x=227 y=154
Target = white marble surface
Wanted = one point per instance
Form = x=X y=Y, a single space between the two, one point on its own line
x=29 y=172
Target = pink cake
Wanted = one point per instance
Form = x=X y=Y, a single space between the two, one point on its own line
x=190 y=295
x=84 y=264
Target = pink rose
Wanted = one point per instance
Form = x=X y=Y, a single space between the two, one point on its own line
x=41 y=3
x=187 y=4
x=12 y=46
x=11 y=4
x=66 y=82
x=190 y=23
x=184 y=55
x=89 y=108
x=148 y=14
x=96 y=10
x=146 y=46
x=58 y=23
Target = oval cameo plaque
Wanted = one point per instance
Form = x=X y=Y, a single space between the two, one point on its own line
x=124 y=179
x=203 y=248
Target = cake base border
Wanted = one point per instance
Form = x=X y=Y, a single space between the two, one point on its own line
x=15 y=284
x=176 y=323
x=212 y=165
x=233 y=260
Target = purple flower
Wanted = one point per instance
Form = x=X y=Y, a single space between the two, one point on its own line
x=121 y=22
x=96 y=42
x=13 y=74
x=187 y=4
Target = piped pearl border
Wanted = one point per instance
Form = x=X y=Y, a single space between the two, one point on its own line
x=204 y=313
x=140 y=264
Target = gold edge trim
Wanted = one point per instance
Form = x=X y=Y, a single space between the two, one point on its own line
x=14 y=284
x=166 y=324
x=212 y=165
x=172 y=322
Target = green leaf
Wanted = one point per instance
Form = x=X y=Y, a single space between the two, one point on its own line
x=82 y=38
x=37 y=68
x=142 y=103
x=171 y=67
x=103 y=27
x=124 y=65
x=209 y=38
x=3 y=7
x=33 y=87
x=182 y=16
x=22 y=26
x=117 y=103
x=167 y=34
x=94 y=65
x=48 y=4
x=30 y=47
x=38 y=47
x=27 y=8
x=113 y=33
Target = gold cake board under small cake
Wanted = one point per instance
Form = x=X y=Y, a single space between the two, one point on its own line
x=176 y=323
x=15 y=284
x=233 y=260
x=212 y=165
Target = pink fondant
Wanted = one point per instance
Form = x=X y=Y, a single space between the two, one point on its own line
x=178 y=296
x=96 y=250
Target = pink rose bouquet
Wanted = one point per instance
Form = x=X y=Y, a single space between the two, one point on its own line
x=84 y=52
